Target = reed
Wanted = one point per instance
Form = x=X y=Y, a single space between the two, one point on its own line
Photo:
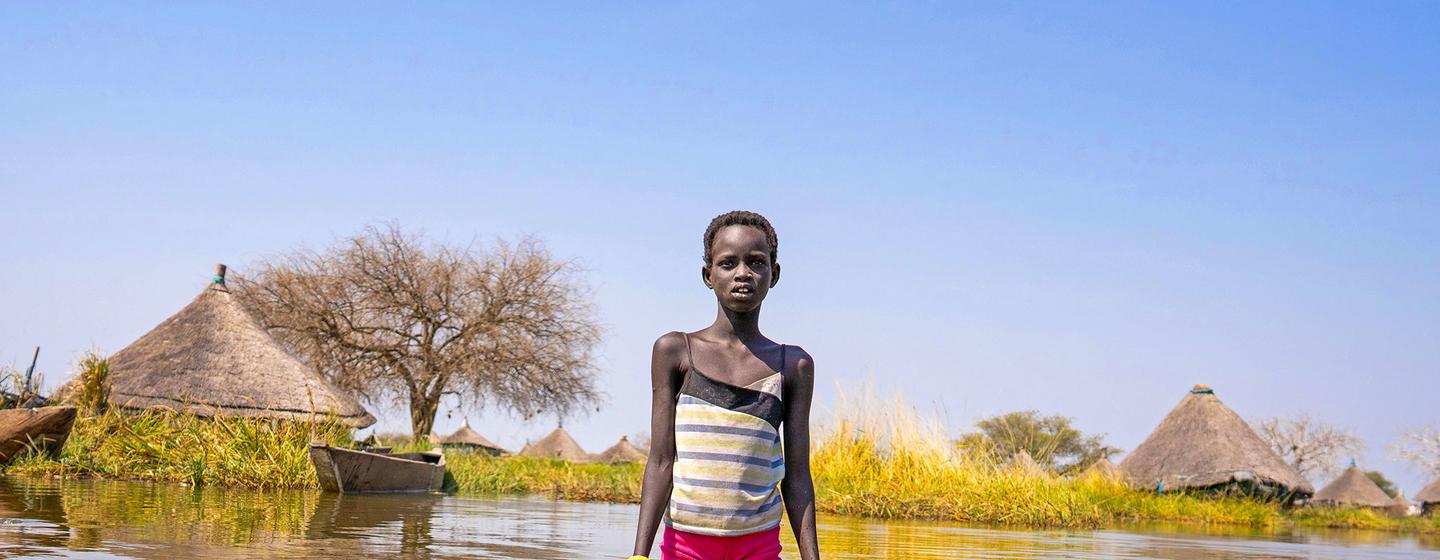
x=170 y=447
x=882 y=459
x=477 y=473
x=92 y=391
x=587 y=482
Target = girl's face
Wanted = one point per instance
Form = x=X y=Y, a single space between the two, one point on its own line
x=740 y=271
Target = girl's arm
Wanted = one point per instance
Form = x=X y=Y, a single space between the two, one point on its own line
x=655 y=490
x=797 y=489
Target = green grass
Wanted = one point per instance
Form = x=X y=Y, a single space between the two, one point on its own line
x=170 y=447
x=886 y=465
x=481 y=474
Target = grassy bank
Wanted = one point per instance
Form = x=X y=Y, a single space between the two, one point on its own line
x=168 y=447
x=892 y=465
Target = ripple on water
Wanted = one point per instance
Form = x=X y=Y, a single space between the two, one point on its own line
x=96 y=519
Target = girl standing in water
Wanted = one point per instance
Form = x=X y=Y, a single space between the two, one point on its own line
x=723 y=397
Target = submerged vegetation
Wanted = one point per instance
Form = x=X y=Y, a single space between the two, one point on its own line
x=871 y=461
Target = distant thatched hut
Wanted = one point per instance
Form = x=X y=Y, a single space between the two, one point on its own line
x=1402 y=505
x=467 y=438
x=1103 y=469
x=212 y=359
x=1022 y=461
x=1352 y=488
x=557 y=445
x=1429 y=498
x=1203 y=444
x=622 y=452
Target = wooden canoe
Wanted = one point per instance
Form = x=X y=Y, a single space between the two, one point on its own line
x=351 y=471
x=46 y=428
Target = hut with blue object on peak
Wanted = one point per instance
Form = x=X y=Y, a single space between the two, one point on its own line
x=1353 y=488
x=213 y=359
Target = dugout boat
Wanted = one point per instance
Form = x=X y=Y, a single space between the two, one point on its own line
x=45 y=428
x=352 y=471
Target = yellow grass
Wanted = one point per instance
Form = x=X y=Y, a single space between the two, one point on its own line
x=882 y=459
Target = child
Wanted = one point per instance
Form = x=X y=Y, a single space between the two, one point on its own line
x=721 y=399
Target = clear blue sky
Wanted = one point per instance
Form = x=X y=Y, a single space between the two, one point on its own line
x=1075 y=208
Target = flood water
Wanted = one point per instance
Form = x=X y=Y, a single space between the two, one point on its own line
x=98 y=519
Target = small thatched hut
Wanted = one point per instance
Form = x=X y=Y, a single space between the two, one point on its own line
x=1429 y=498
x=467 y=438
x=1103 y=469
x=1203 y=444
x=1022 y=461
x=622 y=452
x=213 y=359
x=557 y=445
x=1352 y=488
x=1402 y=505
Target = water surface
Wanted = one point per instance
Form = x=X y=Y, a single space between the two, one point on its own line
x=100 y=519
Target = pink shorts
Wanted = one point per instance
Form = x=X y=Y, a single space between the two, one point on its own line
x=679 y=545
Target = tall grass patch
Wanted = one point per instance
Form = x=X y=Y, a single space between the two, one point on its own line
x=171 y=447
x=884 y=460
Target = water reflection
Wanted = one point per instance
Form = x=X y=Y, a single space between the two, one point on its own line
x=134 y=520
x=851 y=538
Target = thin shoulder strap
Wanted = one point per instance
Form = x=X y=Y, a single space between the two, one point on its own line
x=689 y=358
x=783 y=363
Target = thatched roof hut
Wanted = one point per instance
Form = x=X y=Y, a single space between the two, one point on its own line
x=557 y=445
x=467 y=438
x=1402 y=506
x=1429 y=497
x=212 y=359
x=1023 y=462
x=622 y=452
x=1352 y=488
x=1204 y=444
x=1103 y=469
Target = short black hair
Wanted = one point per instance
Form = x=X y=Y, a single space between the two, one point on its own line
x=742 y=218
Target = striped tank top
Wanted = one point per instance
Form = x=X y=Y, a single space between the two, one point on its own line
x=728 y=461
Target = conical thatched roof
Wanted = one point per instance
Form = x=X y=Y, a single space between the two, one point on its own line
x=1202 y=443
x=1103 y=468
x=557 y=445
x=1352 y=488
x=622 y=452
x=1430 y=494
x=1402 y=505
x=467 y=437
x=213 y=359
x=1023 y=462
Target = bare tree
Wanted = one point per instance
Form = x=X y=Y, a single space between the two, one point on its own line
x=1311 y=446
x=398 y=319
x=1419 y=447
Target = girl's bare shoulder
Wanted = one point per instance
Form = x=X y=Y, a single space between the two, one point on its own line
x=670 y=345
x=798 y=362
